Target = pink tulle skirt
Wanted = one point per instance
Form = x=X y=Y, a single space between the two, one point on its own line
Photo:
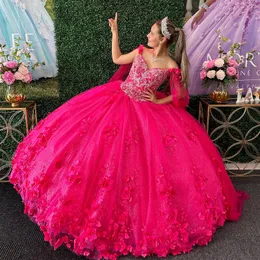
x=106 y=176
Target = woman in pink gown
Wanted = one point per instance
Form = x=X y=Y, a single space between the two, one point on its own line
x=121 y=169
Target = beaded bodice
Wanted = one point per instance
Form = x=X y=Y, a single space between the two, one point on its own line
x=141 y=78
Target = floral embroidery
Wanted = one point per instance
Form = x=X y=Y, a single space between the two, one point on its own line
x=169 y=140
x=132 y=138
x=111 y=131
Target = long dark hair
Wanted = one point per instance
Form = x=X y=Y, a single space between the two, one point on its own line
x=177 y=36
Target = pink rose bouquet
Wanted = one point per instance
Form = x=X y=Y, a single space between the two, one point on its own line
x=224 y=68
x=16 y=65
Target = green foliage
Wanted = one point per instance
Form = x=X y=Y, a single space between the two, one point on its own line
x=83 y=37
x=49 y=8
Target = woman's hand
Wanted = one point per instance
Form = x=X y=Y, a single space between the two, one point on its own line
x=149 y=95
x=113 y=24
x=198 y=17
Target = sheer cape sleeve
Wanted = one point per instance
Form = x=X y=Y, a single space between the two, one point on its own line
x=180 y=94
x=121 y=73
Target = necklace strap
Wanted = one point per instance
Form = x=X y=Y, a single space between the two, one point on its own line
x=154 y=59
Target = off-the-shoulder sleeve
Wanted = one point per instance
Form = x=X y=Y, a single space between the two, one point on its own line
x=180 y=94
x=140 y=49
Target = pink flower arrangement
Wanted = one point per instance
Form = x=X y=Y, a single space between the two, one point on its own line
x=220 y=72
x=13 y=71
x=14 y=66
x=223 y=69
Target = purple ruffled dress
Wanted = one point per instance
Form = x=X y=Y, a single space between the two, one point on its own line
x=238 y=20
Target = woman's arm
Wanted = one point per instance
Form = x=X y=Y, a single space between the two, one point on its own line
x=165 y=100
x=210 y=2
x=201 y=12
x=117 y=56
x=150 y=96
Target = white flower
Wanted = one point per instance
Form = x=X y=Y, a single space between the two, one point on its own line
x=211 y=74
x=1 y=79
x=19 y=53
x=219 y=62
x=221 y=74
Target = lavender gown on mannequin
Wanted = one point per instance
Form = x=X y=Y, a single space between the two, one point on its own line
x=238 y=20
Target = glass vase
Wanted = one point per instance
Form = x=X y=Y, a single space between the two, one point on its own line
x=14 y=96
x=220 y=94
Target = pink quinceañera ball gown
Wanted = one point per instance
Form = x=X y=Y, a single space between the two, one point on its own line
x=110 y=174
x=237 y=20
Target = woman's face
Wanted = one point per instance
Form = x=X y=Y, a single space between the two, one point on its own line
x=154 y=37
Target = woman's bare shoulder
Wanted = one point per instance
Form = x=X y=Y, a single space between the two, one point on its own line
x=172 y=63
